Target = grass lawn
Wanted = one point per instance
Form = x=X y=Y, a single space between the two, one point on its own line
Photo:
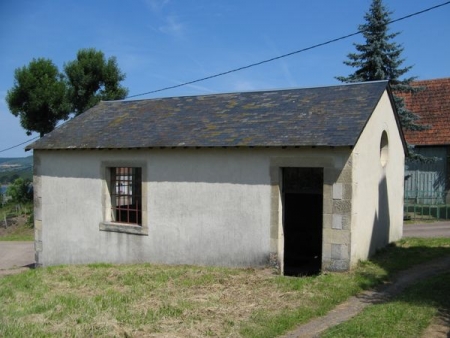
x=185 y=301
x=405 y=316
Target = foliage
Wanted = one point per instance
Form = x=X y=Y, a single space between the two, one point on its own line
x=20 y=191
x=9 y=177
x=379 y=58
x=38 y=96
x=42 y=96
x=92 y=78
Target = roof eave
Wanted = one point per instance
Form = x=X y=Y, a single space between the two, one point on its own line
x=397 y=120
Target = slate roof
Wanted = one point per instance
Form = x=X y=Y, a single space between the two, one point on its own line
x=433 y=106
x=325 y=116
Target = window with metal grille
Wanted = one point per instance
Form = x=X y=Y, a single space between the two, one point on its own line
x=126 y=195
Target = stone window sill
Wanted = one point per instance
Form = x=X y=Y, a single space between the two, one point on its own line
x=124 y=228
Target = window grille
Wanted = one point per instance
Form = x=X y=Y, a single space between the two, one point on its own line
x=126 y=195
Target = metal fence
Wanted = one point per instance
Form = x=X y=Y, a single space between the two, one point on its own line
x=426 y=205
x=426 y=185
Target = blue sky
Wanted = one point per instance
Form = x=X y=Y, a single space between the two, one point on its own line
x=160 y=43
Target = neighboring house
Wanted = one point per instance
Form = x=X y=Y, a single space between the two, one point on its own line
x=311 y=179
x=428 y=183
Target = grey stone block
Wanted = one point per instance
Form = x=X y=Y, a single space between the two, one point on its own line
x=337 y=191
x=337 y=222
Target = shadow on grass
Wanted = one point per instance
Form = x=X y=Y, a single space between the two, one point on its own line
x=433 y=292
x=397 y=257
x=417 y=276
x=408 y=314
x=415 y=288
x=409 y=252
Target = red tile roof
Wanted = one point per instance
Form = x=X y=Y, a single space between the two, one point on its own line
x=433 y=106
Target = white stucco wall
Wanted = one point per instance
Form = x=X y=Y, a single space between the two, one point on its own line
x=200 y=208
x=377 y=201
x=204 y=206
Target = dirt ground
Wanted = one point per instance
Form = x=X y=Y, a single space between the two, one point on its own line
x=15 y=256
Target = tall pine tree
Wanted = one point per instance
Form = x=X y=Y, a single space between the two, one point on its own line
x=379 y=58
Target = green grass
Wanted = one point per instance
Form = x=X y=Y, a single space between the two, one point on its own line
x=410 y=251
x=405 y=316
x=21 y=233
x=140 y=300
x=18 y=232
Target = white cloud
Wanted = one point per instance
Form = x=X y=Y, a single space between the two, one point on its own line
x=189 y=89
x=288 y=74
x=3 y=105
x=244 y=86
x=282 y=63
x=172 y=26
x=156 y=5
x=167 y=22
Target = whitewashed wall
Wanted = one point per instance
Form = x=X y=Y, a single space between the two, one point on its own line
x=205 y=206
x=377 y=202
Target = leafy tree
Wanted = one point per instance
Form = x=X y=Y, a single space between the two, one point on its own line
x=379 y=58
x=38 y=96
x=92 y=78
x=20 y=191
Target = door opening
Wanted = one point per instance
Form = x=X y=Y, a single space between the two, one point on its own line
x=302 y=220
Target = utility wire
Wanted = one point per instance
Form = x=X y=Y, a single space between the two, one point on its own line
x=262 y=62
x=282 y=56
x=1 y=151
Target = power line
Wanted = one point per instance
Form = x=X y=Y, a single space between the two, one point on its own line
x=17 y=145
x=284 y=55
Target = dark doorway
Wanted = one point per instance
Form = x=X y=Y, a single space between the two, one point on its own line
x=303 y=208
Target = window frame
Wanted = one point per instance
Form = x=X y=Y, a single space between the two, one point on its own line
x=108 y=223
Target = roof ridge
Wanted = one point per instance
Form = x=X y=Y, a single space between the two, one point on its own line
x=268 y=90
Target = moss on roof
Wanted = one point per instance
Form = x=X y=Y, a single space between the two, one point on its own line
x=324 y=116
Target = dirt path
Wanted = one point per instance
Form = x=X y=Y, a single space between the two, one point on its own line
x=16 y=257
x=355 y=305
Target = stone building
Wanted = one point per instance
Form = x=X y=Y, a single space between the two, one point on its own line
x=312 y=178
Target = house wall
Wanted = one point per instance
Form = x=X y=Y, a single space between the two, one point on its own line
x=204 y=206
x=427 y=183
x=377 y=201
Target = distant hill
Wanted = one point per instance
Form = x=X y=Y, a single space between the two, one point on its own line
x=17 y=160
x=12 y=168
